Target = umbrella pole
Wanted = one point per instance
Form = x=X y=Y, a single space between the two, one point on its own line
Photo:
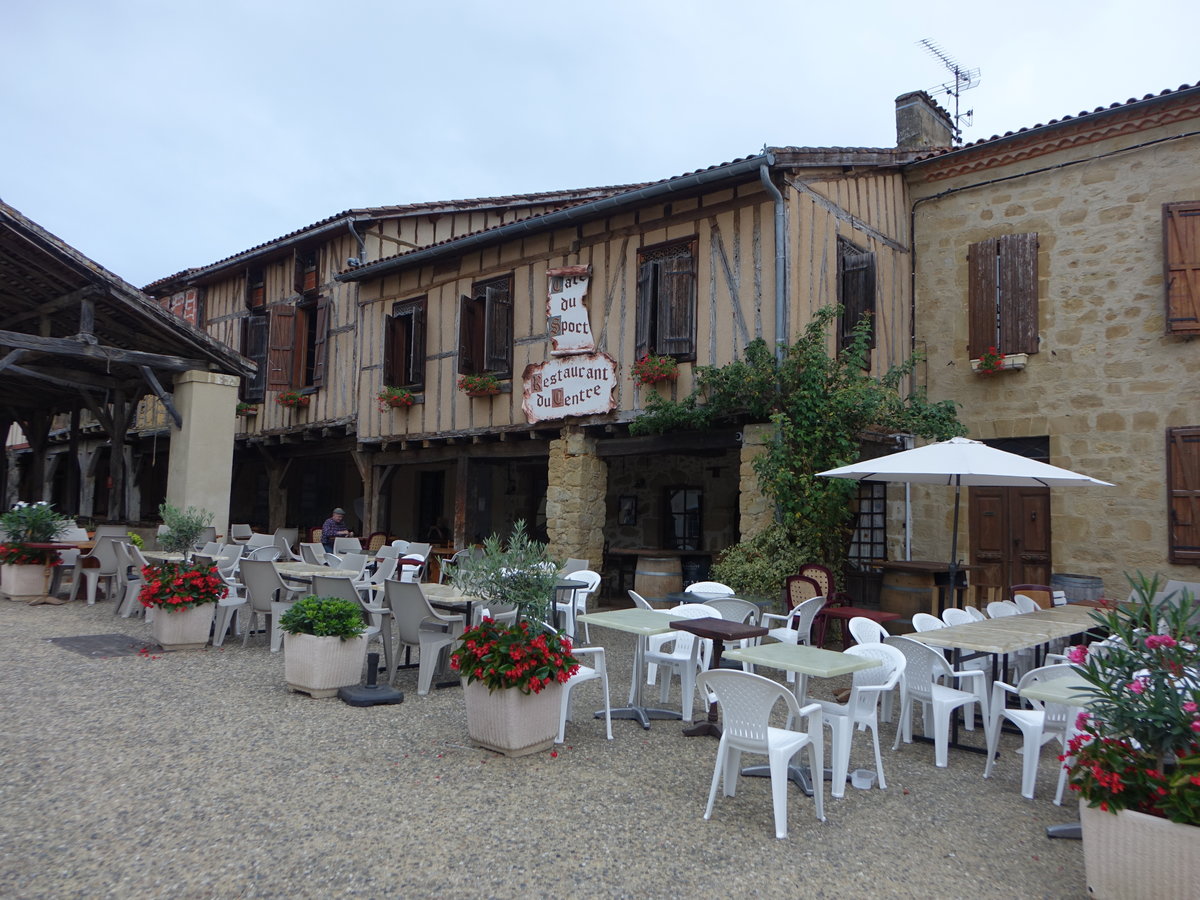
x=949 y=598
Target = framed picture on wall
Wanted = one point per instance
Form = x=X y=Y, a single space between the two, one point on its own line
x=627 y=510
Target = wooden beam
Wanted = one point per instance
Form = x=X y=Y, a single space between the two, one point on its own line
x=78 y=350
x=53 y=306
x=10 y=358
x=167 y=399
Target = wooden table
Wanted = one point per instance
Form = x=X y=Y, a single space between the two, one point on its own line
x=805 y=661
x=643 y=623
x=718 y=631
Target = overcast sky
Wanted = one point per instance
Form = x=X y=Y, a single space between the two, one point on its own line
x=155 y=135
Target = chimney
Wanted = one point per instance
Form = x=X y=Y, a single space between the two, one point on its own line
x=920 y=122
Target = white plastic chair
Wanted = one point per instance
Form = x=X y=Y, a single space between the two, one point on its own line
x=974 y=613
x=239 y=534
x=735 y=609
x=312 y=553
x=710 y=589
x=418 y=624
x=954 y=616
x=797 y=625
x=597 y=670
x=106 y=557
x=639 y=602
x=378 y=617
x=285 y=547
x=342 y=545
x=861 y=708
x=265 y=553
x=569 y=567
x=353 y=564
x=866 y=631
x=1040 y=723
x=923 y=668
x=576 y=605
x=999 y=608
x=683 y=658
x=129 y=603
x=267 y=596
x=129 y=580
x=746 y=702
x=256 y=540
x=1025 y=604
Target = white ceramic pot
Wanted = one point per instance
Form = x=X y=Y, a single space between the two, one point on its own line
x=510 y=722
x=318 y=666
x=183 y=629
x=24 y=582
x=1133 y=856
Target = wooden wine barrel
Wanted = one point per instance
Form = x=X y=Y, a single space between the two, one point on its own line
x=657 y=576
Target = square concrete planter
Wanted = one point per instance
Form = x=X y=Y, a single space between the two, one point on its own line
x=24 y=582
x=319 y=666
x=183 y=629
x=1132 y=855
x=510 y=722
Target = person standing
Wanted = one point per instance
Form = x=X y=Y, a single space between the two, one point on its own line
x=334 y=527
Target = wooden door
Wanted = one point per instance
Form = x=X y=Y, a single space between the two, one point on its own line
x=1010 y=536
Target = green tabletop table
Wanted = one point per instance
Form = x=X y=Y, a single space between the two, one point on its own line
x=644 y=623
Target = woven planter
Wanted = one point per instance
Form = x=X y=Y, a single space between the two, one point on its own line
x=1132 y=855
x=510 y=722
x=319 y=666
x=23 y=582
x=183 y=629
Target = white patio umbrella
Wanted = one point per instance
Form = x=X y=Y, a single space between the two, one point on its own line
x=960 y=461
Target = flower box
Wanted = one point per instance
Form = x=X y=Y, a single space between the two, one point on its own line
x=1131 y=854
x=319 y=666
x=480 y=385
x=293 y=400
x=510 y=722
x=23 y=582
x=1008 y=361
x=186 y=628
x=653 y=369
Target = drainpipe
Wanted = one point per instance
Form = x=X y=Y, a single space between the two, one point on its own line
x=362 y=243
x=781 y=260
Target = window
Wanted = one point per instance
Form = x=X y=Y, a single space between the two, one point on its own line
x=307 y=270
x=666 y=301
x=256 y=286
x=254 y=346
x=296 y=346
x=1002 y=295
x=856 y=290
x=404 y=347
x=869 y=539
x=1183 y=494
x=1181 y=265
x=485 y=329
x=683 y=520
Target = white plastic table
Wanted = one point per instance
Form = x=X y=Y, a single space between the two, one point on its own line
x=644 y=623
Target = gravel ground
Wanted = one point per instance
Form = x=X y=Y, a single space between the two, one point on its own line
x=199 y=774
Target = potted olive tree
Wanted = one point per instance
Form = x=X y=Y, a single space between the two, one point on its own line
x=324 y=645
x=512 y=674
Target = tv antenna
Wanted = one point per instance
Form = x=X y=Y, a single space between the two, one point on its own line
x=964 y=80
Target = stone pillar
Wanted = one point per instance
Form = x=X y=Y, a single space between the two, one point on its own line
x=756 y=511
x=200 y=469
x=575 y=498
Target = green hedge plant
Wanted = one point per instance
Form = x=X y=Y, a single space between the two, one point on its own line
x=324 y=617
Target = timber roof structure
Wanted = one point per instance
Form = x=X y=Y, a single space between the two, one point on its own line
x=71 y=331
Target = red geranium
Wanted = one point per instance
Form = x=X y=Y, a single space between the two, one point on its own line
x=512 y=656
x=181 y=585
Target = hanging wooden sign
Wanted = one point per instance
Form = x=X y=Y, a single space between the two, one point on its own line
x=567 y=312
x=581 y=385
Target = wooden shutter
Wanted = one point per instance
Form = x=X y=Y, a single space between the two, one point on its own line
x=677 y=307
x=416 y=347
x=255 y=288
x=856 y=289
x=320 y=342
x=1018 y=300
x=395 y=342
x=981 y=298
x=468 y=331
x=498 y=328
x=254 y=346
x=281 y=347
x=647 y=279
x=1181 y=264
x=1183 y=494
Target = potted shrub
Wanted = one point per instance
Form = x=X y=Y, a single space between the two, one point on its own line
x=324 y=645
x=183 y=527
x=184 y=596
x=652 y=368
x=395 y=398
x=513 y=674
x=25 y=566
x=484 y=385
x=293 y=399
x=1135 y=760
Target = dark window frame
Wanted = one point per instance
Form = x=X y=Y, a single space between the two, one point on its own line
x=1002 y=294
x=297 y=344
x=667 y=300
x=683 y=530
x=404 y=352
x=485 y=328
x=855 y=290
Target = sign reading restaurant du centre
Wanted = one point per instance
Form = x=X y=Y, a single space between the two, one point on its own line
x=578 y=381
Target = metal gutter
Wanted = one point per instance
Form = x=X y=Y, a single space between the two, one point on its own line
x=781 y=260
x=561 y=217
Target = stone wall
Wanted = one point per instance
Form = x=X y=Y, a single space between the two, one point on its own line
x=1106 y=382
x=756 y=510
x=575 y=495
